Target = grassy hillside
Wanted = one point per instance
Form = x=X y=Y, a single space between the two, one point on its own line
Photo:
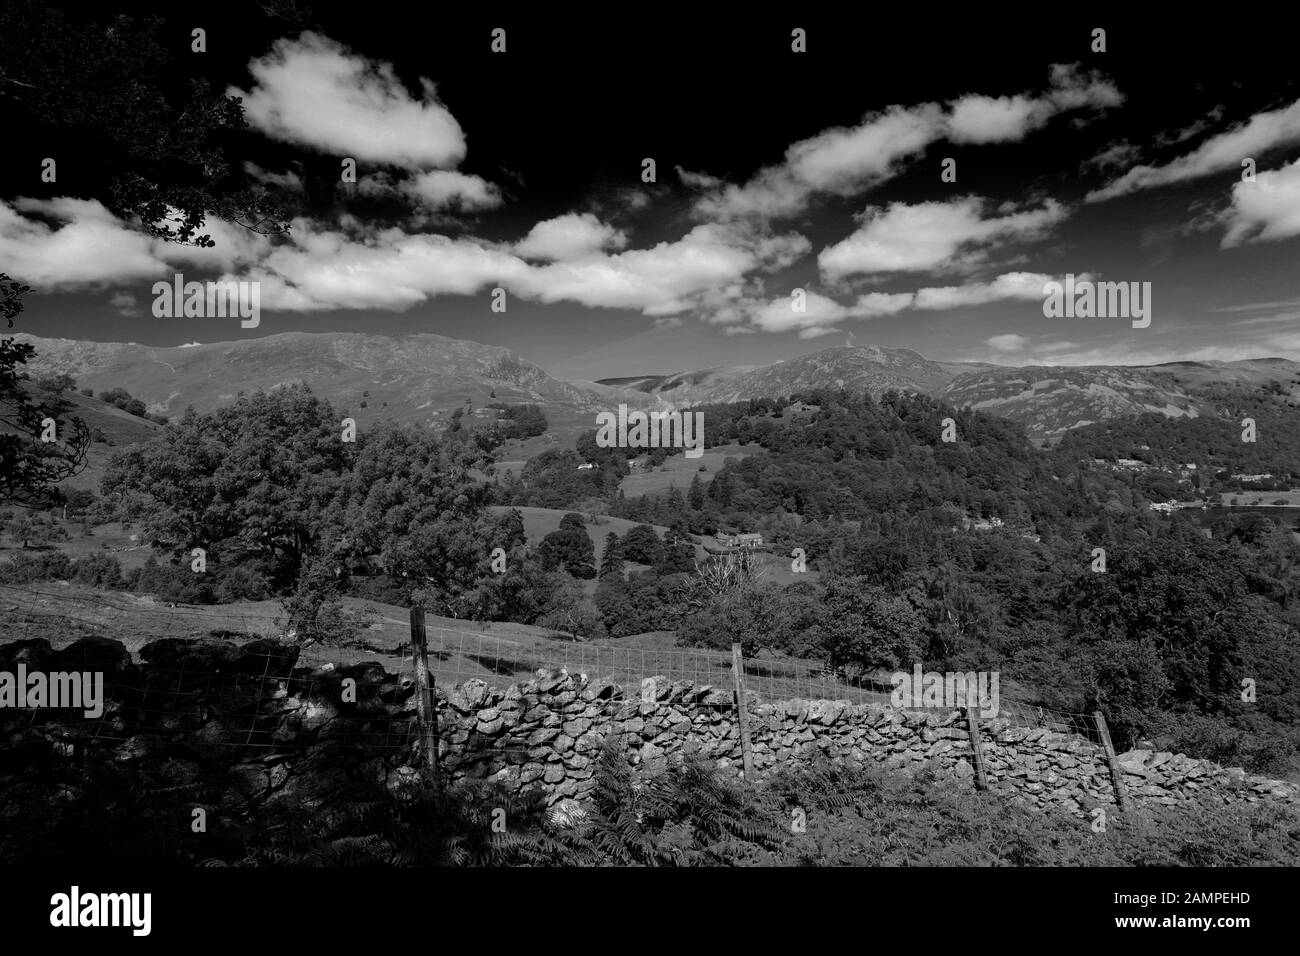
x=679 y=470
x=112 y=429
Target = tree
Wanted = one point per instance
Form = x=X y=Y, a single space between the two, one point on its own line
x=611 y=562
x=1184 y=599
x=262 y=476
x=571 y=612
x=569 y=547
x=695 y=495
x=866 y=629
x=677 y=556
x=121 y=398
x=30 y=467
x=162 y=164
x=35 y=530
x=642 y=545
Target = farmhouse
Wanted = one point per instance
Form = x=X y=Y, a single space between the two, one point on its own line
x=739 y=540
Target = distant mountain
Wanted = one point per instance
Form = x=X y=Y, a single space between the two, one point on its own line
x=407 y=378
x=1050 y=400
x=869 y=369
x=424 y=377
x=1249 y=373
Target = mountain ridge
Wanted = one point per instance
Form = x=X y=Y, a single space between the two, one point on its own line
x=424 y=376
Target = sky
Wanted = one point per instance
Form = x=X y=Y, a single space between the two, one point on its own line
x=775 y=170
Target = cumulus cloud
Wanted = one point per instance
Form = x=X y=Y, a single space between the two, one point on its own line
x=931 y=236
x=1249 y=139
x=845 y=160
x=318 y=268
x=316 y=92
x=697 y=180
x=1266 y=209
x=569 y=237
x=1004 y=119
x=1007 y=343
x=661 y=280
x=447 y=189
x=63 y=243
x=1010 y=285
x=779 y=315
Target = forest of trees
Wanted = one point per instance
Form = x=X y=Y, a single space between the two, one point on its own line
x=1161 y=641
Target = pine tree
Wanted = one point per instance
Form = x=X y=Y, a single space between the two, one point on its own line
x=611 y=562
x=695 y=496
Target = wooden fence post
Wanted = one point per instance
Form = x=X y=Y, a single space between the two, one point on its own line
x=425 y=712
x=976 y=748
x=742 y=712
x=1116 y=775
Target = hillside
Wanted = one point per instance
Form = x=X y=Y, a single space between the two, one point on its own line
x=871 y=369
x=424 y=377
x=1049 y=400
x=112 y=428
x=406 y=378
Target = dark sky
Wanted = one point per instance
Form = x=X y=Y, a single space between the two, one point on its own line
x=818 y=170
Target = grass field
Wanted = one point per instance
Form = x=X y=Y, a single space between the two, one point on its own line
x=679 y=470
x=498 y=653
x=111 y=539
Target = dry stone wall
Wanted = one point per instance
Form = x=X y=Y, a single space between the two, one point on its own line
x=267 y=731
x=549 y=729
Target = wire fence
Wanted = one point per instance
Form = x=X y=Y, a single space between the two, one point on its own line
x=243 y=700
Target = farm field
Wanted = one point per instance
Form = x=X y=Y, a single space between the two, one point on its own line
x=679 y=470
x=498 y=653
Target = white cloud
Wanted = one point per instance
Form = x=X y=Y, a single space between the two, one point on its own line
x=989 y=119
x=1010 y=285
x=322 y=269
x=1257 y=135
x=697 y=180
x=1007 y=343
x=820 y=313
x=315 y=268
x=85 y=245
x=813 y=333
x=1266 y=209
x=845 y=160
x=661 y=280
x=779 y=314
x=836 y=160
x=444 y=189
x=314 y=91
x=883 y=303
x=569 y=237
x=931 y=236
x=235 y=247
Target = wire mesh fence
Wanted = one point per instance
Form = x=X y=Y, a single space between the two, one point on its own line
x=250 y=694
